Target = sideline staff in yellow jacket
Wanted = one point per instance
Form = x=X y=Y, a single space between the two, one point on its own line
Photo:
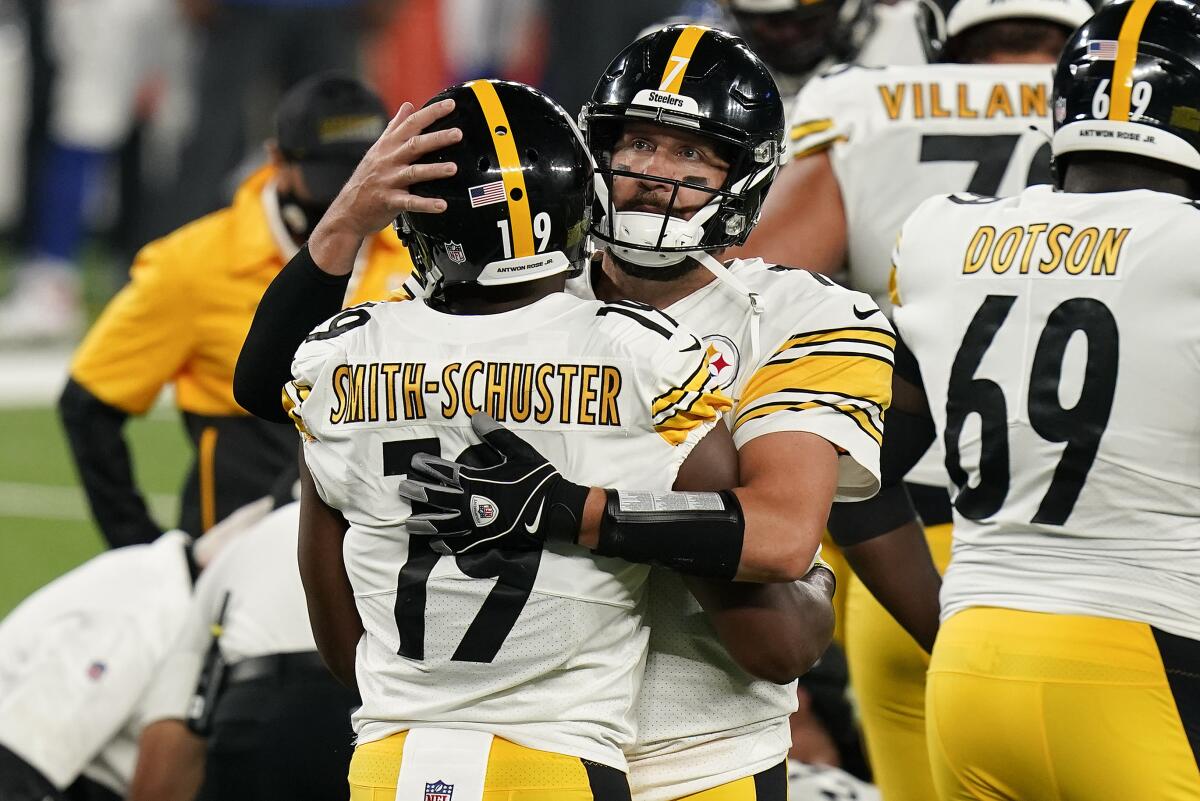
x=182 y=319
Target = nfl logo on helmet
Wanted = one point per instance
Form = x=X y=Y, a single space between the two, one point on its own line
x=438 y=791
x=455 y=252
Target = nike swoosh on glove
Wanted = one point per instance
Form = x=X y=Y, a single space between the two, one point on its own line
x=518 y=503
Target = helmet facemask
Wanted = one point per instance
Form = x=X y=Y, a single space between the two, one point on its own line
x=662 y=238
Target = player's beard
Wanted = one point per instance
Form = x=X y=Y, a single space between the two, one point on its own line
x=668 y=272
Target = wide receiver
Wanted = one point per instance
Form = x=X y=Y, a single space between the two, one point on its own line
x=506 y=672
x=1054 y=335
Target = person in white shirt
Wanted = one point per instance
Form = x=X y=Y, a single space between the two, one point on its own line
x=78 y=661
x=276 y=721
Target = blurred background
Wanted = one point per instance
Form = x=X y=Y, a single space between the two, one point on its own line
x=122 y=119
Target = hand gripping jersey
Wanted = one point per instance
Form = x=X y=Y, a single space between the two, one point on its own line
x=900 y=134
x=1059 y=344
x=544 y=648
x=825 y=368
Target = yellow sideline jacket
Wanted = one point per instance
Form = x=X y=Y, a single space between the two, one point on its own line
x=181 y=320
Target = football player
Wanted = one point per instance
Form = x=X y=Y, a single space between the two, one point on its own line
x=499 y=672
x=684 y=166
x=1041 y=327
x=798 y=39
x=812 y=377
x=868 y=146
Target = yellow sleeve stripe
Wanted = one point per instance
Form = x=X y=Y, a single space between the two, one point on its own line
x=291 y=406
x=819 y=147
x=681 y=56
x=873 y=336
x=505 y=141
x=798 y=132
x=706 y=408
x=860 y=417
x=1127 y=47
x=852 y=376
x=893 y=290
x=676 y=394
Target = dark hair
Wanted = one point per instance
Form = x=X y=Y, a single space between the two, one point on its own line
x=979 y=43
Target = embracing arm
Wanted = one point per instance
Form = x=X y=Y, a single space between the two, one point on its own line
x=882 y=538
x=774 y=519
x=332 y=612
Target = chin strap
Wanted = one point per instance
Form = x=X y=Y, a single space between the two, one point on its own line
x=757 y=305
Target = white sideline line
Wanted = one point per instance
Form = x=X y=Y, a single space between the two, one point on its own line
x=57 y=502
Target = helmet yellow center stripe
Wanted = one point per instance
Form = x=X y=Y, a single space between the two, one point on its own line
x=504 y=140
x=681 y=54
x=1127 y=45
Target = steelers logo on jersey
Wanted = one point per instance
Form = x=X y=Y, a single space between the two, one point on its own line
x=723 y=358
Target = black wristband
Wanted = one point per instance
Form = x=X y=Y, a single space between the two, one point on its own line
x=696 y=533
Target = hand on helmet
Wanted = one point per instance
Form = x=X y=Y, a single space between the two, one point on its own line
x=518 y=503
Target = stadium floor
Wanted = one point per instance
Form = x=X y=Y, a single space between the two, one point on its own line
x=45 y=526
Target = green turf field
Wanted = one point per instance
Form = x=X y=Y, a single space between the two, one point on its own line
x=45 y=526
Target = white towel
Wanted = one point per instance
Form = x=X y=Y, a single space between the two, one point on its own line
x=443 y=765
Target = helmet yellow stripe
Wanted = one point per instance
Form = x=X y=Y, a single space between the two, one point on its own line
x=677 y=64
x=1127 y=45
x=510 y=167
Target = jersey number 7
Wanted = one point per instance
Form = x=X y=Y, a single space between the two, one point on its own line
x=1080 y=427
x=514 y=571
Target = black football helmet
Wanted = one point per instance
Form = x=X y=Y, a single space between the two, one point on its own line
x=940 y=20
x=519 y=205
x=1128 y=81
x=795 y=36
x=700 y=80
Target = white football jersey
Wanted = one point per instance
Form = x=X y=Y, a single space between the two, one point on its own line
x=78 y=656
x=253 y=588
x=544 y=648
x=824 y=367
x=899 y=135
x=1059 y=346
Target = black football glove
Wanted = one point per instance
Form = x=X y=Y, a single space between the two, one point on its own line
x=519 y=503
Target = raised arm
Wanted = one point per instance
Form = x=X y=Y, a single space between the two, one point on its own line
x=313 y=284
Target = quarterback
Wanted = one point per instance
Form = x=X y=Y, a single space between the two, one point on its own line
x=1053 y=341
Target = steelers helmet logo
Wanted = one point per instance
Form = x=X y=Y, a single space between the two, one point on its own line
x=723 y=358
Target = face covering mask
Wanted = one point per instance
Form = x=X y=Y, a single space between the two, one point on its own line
x=299 y=215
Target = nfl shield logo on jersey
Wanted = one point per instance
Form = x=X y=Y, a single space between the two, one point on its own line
x=455 y=253
x=483 y=510
x=439 y=791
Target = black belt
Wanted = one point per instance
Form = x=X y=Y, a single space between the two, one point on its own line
x=277 y=666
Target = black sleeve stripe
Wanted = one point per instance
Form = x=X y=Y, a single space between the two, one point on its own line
x=883 y=331
x=841 y=339
x=703 y=368
x=645 y=307
x=816 y=353
x=798 y=390
x=653 y=326
x=786 y=406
